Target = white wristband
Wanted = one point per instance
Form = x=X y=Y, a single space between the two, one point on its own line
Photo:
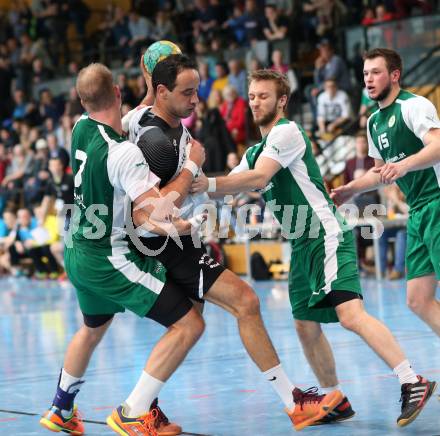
x=191 y=166
x=212 y=184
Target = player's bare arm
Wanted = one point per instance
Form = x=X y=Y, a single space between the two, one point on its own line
x=258 y=178
x=425 y=158
x=369 y=181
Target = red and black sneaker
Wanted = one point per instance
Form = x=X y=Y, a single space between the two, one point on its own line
x=414 y=398
x=162 y=424
x=341 y=412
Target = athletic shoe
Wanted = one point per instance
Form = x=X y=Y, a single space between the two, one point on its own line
x=143 y=425
x=162 y=424
x=414 y=398
x=311 y=407
x=341 y=412
x=53 y=420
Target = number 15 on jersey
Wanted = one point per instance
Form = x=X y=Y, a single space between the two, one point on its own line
x=383 y=141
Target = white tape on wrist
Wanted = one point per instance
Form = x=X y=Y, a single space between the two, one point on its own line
x=212 y=184
x=191 y=166
x=197 y=221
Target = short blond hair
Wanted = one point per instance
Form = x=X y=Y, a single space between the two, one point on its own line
x=281 y=82
x=95 y=87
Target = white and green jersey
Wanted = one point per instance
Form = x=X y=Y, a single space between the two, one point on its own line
x=396 y=132
x=109 y=173
x=296 y=193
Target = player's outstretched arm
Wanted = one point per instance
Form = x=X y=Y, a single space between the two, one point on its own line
x=369 y=181
x=249 y=180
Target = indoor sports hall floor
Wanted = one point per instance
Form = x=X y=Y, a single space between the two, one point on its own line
x=218 y=390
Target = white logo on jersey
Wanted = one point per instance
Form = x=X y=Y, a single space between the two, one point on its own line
x=392 y=121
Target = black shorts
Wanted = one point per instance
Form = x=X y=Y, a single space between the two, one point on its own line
x=190 y=268
x=335 y=298
x=170 y=306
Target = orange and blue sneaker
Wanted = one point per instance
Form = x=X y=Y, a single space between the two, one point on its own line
x=162 y=424
x=311 y=407
x=54 y=420
x=142 y=425
x=341 y=412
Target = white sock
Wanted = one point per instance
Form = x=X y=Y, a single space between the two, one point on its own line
x=67 y=380
x=405 y=373
x=331 y=389
x=281 y=384
x=139 y=401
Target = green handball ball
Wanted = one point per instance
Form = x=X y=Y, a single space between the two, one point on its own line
x=157 y=52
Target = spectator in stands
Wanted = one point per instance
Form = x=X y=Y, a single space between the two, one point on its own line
x=58 y=196
x=163 y=27
x=233 y=111
x=382 y=14
x=206 y=81
x=20 y=17
x=396 y=205
x=141 y=31
x=8 y=138
x=333 y=108
x=79 y=13
x=276 y=25
x=23 y=240
x=73 y=104
x=22 y=108
x=369 y=17
x=328 y=65
x=280 y=66
x=202 y=55
x=252 y=22
x=211 y=131
x=236 y=25
x=121 y=32
x=64 y=132
x=237 y=77
x=254 y=65
x=7 y=238
x=326 y=15
x=40 y=73
x=355 y=168
x=215 y=99
x=205 y=21
x=20 y=166
x=404 y=7
x=55 y=151
x=36 y=180
x=221 y=9
x=38 y=248
x=127 y=95
x=222 y=72
x=47 y=106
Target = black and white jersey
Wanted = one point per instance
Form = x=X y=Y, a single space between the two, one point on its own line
x=164 y=148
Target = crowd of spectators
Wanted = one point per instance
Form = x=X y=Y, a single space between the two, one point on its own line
x=44 y=40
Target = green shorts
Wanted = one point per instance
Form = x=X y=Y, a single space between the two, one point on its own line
x=110 y=284
x=423 y=244
x=322 y=265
